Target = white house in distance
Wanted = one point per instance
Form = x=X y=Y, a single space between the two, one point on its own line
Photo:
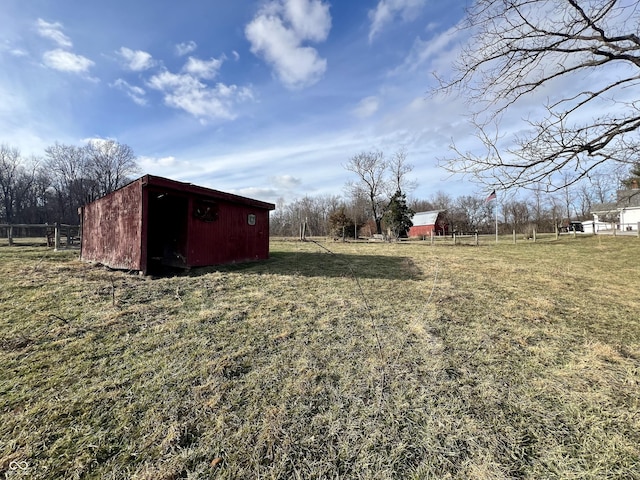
x=623 y=214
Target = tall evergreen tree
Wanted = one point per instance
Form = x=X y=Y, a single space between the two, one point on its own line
x=397 y=216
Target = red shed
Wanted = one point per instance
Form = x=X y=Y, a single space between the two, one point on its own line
x=153 y=223
x=424 y=223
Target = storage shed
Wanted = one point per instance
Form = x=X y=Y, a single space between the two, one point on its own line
x=154 y=223
x=424 y=223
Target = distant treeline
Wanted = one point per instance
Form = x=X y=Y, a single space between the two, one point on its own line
x=325 y=214
x=50 y=189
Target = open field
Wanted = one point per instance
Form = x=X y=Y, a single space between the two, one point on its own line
x=493 y=362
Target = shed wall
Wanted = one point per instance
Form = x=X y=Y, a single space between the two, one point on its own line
x=421 y=230
x=112 y=229
x=230 y=238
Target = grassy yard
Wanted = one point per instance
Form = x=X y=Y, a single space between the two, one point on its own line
x=371 y=361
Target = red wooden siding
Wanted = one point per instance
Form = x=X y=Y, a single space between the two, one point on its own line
x=421 y=230
x=230 y=238
x=112 y=229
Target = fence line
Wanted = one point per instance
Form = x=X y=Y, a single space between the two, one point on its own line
x=52 y=232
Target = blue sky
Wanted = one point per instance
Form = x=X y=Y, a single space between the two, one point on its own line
x=267 y=99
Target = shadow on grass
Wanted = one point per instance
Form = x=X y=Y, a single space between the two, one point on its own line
x=320 y=264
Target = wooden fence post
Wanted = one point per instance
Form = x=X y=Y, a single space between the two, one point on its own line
x=57 y=237
x=10 y=234
x=534 y=235
x=514 y=237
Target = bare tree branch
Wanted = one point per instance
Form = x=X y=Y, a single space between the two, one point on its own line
x=519 y=48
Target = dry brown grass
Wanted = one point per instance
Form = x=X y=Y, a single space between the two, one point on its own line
x=493 y=362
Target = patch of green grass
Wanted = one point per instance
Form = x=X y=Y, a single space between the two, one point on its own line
x=365 y=361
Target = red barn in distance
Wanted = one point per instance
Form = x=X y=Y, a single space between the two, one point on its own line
x=154 y=223
x=424 y=223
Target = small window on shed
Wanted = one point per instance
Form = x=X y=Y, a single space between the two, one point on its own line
x=206 y=211
x=251 y=219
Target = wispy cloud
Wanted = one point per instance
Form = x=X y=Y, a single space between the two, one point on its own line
x=185 y=47
x=7 y=46
x=61 y=59
x=286 y=181
x=135 y=93
x=66 y=61
x=136 y=60
x=387 y=10
x=366 y=107
x=203 y=68
x=53 y=31
x=152 y=163
x=187 y=92
x=438 y=46
x=278 y=33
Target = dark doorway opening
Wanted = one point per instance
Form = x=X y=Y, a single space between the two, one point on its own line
x=166 y=232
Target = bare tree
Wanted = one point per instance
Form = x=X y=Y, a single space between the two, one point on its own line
x=471 y=213
x=17 y=177
x=399 y=169
x=80 y=174
x=419 y=205
x=603 y=186
x=69 y=170
x=370 y=168
x=110 y=164
x=9 y=172
x=522 y=48
x=517 y=214
x=441 y=201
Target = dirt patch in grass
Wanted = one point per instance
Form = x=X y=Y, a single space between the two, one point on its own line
x=368 y=361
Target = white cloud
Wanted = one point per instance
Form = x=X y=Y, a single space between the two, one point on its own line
x=152 y=163
x=136 y=60
x=6 y=46
x=203 y=68
x=185 y=47
x=167 y=166
x=310 y=19
x=366 y=107
x=18 y=52
x=66 y=61
x=286 y=181
x=236 y=55
x=133 y=92
x=278 y=32
x=188 y=93
x=259 y=193
x=437 y=47
x=53 y=31
x=387 y=10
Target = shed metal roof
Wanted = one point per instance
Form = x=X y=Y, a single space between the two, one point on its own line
x=425 y=218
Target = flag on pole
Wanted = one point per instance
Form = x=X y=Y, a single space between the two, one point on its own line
x=491 y=197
